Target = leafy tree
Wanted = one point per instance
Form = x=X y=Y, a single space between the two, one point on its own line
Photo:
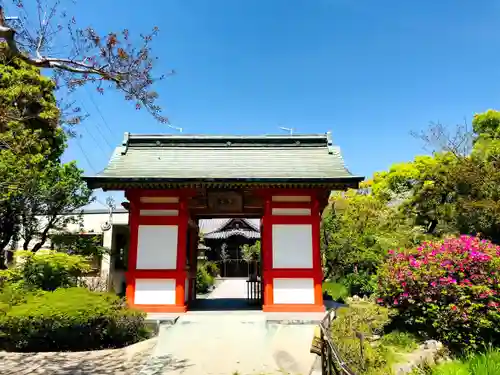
x=457 y=188
x=84 y=244
x=58 y=188
x=251 y=254
x=36 y=188
x=27 y=145
x=357 y=231
x=42 y=34
x=486 y=126
x=422 y=189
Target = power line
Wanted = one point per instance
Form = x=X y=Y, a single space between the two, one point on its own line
x=103 y=137
x=85 y=156
x=98 y=111
x=95 y=140
x=100 y=132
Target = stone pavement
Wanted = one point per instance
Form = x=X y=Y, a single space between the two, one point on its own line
x=229 y=295
x=223 y=343
x=125 y=361
x=221 y=339
x=230 y=288
x=222 y=336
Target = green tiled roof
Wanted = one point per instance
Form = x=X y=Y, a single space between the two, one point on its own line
x=203 y=158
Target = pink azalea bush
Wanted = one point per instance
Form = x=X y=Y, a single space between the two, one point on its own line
x=448 y=290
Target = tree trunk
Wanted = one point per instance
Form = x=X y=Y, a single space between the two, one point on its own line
x=45 y=235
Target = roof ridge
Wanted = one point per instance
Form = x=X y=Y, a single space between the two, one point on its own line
x=222 y=136
x=217 y=141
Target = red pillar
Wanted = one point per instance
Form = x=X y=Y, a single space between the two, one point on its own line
x=292 y=273
x=156 y=275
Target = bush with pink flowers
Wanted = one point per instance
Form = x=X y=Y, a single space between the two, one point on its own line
x=447 y=290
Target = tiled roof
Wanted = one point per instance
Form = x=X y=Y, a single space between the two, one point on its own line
x=232 y=232
x=213 y=225
x=209 y=225
x=197 y=158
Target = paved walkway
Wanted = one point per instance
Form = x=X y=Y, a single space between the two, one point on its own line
x=126 y=361
x=229 y=289
x=216 y=341
x=229 y=295
x=228 y=343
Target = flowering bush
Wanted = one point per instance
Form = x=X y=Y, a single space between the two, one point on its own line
x=447 y=290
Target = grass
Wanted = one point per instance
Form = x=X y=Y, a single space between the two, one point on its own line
x=487 y=363
x=400 y=341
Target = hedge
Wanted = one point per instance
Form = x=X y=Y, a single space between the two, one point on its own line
x=70 y=319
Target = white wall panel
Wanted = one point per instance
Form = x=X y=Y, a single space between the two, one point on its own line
x=293 y=291
x=292 y=246
x=157 y=247
x=154 y=292
x=292 y=211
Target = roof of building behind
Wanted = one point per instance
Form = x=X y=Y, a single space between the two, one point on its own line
x=212 y=225
x=269 y=158
x=221 y=228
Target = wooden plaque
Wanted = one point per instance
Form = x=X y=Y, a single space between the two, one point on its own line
x=225 y=201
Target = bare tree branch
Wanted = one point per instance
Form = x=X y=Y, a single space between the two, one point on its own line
x=96 y=59
x=439 y=138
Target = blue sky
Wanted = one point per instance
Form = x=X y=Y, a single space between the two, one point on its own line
x=369 y=71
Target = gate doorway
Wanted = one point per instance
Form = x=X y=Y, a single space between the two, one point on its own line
x=173 y=182
x=233 y=244
x=228 y=265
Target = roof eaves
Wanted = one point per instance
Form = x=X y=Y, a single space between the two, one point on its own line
x=107 y=182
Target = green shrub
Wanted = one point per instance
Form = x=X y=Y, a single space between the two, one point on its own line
x=204 y=280
x=447 y=290
x=46 y=270
x=360 y=283
x=369 y=319
x=361 y=316
x=212 y=268
x=337 y=291
x=70 y=319
x=14 y=294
